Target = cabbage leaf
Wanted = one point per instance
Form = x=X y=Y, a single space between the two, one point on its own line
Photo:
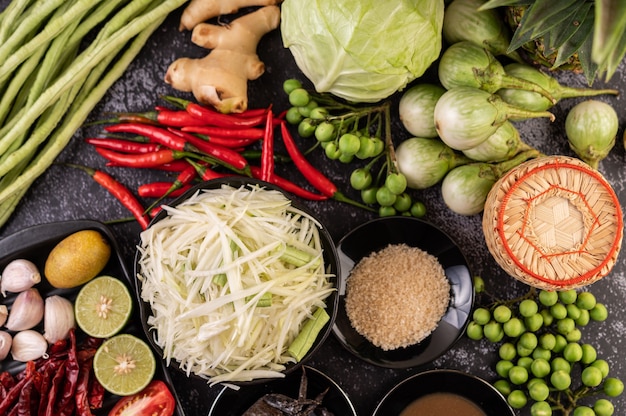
x=362 y=50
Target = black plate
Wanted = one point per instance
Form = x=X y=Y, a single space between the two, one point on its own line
x=230 y=402
x=376 y=235
x=444 y=381
x=330 y=259
x=34 y=244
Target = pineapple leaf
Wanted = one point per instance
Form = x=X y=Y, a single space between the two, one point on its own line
x=609 y=29
x=494 y=4
x=588 y=66
x=615 y=59
x=567 y=29
x=543 y=14
x=573 y=44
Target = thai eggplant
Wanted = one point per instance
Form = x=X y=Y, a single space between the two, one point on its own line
x=464 y=21
x=416 y=109
x=591 y=128
x=466 y=64
x=500 y=146
x=535 y=102
x=465 y=116
x=425 y=161
x=465 y=188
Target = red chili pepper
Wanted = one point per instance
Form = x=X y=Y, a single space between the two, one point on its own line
x=155 y=134
x=289 y=186
x=229 y=142
x=310 y=172
x=145 y=160
x=224 y=154
x=123 y=194
x=177 y=118
x=252 y=112
x=267 y=151
x=215 y=118
x=14 y=393
x=124 y=146
x=242 y=133
x=159 y=189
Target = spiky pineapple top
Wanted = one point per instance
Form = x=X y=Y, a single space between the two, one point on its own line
x=586 y=36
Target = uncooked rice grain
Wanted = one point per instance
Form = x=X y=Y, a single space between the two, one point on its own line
x=395 y=297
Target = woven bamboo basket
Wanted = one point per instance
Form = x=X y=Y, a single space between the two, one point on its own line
x=554 y=223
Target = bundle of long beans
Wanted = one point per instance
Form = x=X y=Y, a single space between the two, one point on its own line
x=50 y=80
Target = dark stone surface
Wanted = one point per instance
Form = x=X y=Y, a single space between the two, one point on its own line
x=64 y=194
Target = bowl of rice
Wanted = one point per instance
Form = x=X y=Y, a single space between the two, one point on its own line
x=406 y=293
x=236 y=282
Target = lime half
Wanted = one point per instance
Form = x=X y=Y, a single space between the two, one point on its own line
x=103 y=307
x=124 y=364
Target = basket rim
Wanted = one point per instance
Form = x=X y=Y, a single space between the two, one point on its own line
x=553 y=163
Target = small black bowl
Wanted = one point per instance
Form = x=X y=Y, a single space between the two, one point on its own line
x=230 y=402
x=329 y=255
x=473 y=388
x=376 y=235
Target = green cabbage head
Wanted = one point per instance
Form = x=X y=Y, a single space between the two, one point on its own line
x=362 y=50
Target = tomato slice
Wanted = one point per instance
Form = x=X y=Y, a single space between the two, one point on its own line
x=155 y=400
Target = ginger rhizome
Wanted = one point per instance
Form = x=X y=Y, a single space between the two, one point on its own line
x=199 y=11
x=220 y=79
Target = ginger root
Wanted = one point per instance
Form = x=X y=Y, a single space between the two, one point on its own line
x=220 y=79
x=199 y=11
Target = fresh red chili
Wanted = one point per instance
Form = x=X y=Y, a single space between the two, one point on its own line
x=310 y=172
x=241 y=133
x=224 y=154
x=154 y=133
x=267 y=150
x=252 y=112
x=183 y=178
x=124 y=146
x=177 y=118
x=122 y=193
x=215 y=118
x=144 y=160
x=289 y=186
x=159 y=189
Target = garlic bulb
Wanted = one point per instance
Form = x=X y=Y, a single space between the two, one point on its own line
x=4 y=313
x=5 y=344
x=19 y=275
x=28 y=345
x=27 y=310
x=58 y=318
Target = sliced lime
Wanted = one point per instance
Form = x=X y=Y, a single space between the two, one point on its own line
x=124 y=364
x=103 y=307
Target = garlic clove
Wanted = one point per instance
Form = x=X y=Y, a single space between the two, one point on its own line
x=19 y=275
x=4 y=313
x=28 y=345
x=27 y=311
x=58 y=318
x=5 y=344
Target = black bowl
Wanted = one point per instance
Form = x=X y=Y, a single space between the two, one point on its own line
x=35 y=243
x=230 y=402
x=457 y=382
x=329 y=254
x=376 y=235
